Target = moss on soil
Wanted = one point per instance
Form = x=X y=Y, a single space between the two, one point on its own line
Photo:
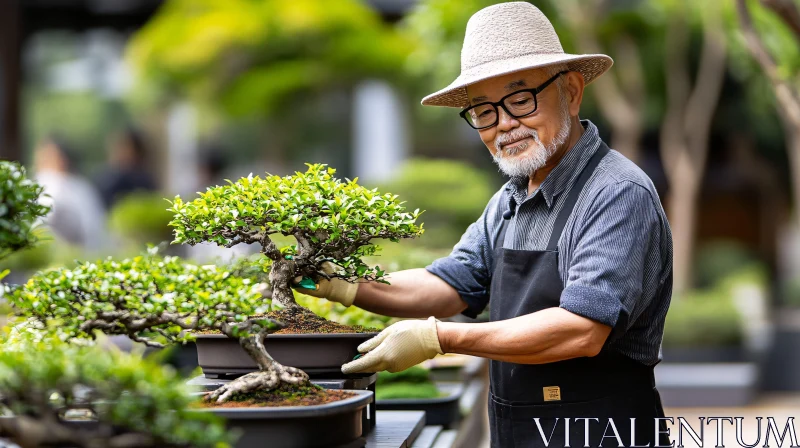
x=414 y=382
x=285 y=395
x=415 y=374
x=407 y=390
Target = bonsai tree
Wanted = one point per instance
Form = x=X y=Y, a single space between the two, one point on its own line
x=150 y=298
x=20 y=209
x=131 y=402
x=155 y=300
x=331 y=221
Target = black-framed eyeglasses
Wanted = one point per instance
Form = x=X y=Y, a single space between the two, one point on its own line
x=517 y=104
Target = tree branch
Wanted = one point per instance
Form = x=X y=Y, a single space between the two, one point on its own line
x=787 y=96
x=788 y=11
x=705 y=95
x=269 y=249
x=678 y=82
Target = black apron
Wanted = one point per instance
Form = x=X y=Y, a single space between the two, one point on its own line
x=594 y=390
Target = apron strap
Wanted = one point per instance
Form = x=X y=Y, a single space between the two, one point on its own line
x=574 y=193
x=501 y=234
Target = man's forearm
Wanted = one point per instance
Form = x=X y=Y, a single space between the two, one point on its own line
x=411 y=293
x=550 y=335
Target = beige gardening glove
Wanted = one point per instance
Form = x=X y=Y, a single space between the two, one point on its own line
x=335 y=290
x=398 y=347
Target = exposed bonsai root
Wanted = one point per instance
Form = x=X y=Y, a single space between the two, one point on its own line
x=261 y=380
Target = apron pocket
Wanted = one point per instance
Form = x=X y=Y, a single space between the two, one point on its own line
x=544 y=425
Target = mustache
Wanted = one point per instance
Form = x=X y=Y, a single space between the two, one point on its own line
x=517 y=134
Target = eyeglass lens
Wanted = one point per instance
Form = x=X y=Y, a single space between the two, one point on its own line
x=517 y=105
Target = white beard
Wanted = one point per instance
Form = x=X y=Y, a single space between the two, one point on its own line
x=536 y=157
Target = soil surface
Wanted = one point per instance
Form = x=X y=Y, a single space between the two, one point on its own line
x=285 y=395
x=300 y=320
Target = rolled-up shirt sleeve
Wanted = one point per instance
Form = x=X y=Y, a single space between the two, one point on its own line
x=606 y=271
x=468 y=267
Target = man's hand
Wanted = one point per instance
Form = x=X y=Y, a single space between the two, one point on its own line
x=398 y=347
x=335 y=289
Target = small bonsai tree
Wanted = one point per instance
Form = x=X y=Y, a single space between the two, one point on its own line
x=132 y=402
x=20 y=209
x=157 y=300
x=330 y=220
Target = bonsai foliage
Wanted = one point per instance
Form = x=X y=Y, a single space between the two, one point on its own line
x=136 y=403
x=155 y=300
x=19 y=208
x=253 y=267
x=330 y=220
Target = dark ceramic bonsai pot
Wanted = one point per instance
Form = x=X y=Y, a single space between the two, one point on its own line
x=330 y=425
x=220 y=355
x=336 y=424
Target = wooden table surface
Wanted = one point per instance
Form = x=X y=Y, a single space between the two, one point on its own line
x=396 y=429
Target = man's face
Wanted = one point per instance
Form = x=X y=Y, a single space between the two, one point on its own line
x=520 y=146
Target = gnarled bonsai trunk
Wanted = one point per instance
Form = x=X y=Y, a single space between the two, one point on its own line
x=280 y=277
x=270 y=373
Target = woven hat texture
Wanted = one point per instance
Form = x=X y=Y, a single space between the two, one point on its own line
x=507 y=38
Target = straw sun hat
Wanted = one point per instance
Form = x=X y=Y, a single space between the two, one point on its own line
x=507 y=38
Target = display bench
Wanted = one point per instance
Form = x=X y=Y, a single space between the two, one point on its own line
x=402 y=429
x=470 y=429
x=396 y=429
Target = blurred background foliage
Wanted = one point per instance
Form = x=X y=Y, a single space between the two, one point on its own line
x=451 y=193
x=257 y=57
x=141 y=218
x=272 y=85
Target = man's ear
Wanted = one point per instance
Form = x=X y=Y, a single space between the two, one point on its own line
x=574 y=84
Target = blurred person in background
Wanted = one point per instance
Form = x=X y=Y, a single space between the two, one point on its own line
x=213 y=165
x=127 y=169
x=78 y=216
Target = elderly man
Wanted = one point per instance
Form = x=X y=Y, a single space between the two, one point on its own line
x=573 y=255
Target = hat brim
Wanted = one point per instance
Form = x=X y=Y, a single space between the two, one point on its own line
x=455 y=95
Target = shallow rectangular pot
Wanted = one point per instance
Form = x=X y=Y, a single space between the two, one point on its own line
x=443 y=411
x=366 y=382
x=218 y=354
x=336 y=424
x=329 y=425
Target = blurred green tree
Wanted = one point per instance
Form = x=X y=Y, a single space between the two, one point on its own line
x=691 y=101
x=253 y=57
x=439 y=26
x=620 y=95
x=770 y=32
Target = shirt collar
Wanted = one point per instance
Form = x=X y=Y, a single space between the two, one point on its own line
x=564 y=173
